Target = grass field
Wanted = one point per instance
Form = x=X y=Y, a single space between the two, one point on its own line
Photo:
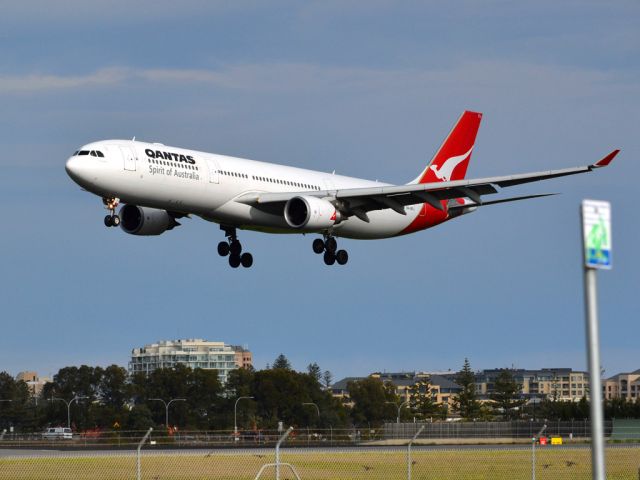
x=622 y=463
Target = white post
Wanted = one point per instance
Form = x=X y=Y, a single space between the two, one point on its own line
x=144 y=439
x=280 y=440
x=409 y=463
x=533 y=452
x=595 y=384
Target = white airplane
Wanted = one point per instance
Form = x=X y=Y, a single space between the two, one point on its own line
x=159 y=184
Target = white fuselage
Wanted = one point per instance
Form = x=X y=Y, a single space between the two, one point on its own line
x=191 y=182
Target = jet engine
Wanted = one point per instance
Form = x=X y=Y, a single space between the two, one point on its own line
x=310 y=213
x=145 y=221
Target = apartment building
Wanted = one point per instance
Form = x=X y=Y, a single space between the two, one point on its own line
x=194 y=353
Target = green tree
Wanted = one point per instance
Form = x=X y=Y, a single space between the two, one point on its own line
x=281 y=362
x=370 y=396
x=506 y=395
x=466 y=402
x=314 y=370
x=327 y=379
x=421 y=401
x=17 y=412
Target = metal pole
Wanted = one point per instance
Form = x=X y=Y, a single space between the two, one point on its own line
x=409 y=452
x=144 y=439
x=235 y=418
x=400 y=408
x=595 y=384
x=280 y=440
x=533 y=452
x=315 y=405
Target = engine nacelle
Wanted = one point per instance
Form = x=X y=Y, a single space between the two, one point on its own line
x=145 y=221
x=310 y=213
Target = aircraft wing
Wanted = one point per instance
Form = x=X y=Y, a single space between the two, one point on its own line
x=358 y=201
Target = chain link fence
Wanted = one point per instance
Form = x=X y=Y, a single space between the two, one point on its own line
x=370 y=458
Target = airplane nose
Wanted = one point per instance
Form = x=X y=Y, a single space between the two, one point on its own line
x=77 y=169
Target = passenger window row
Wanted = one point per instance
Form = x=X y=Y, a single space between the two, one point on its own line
x=269 y=180
x=93 y=153
x=233 y=174
x=286 y=182
x=173 y=164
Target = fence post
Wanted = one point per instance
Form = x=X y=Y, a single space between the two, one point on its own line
x=280 y=440
x=144 y=439
x=533 y=452
x=409 y=452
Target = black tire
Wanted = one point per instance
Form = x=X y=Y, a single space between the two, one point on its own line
x=107 y=221
x=246 y=259
x=235 y=248
x=234 y=261
x=329 y=258
x=331 y=244
x=342 y=257
x=318 y=246
x=115 y=220
x=223 y=249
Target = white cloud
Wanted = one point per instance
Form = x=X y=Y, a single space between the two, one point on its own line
x=36 y=82
x=287 y=77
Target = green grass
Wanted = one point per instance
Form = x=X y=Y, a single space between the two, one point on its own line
x=622 y=463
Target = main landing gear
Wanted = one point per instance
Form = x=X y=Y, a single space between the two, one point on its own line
x=111 y=203
x=233 y=249
x=330 y=248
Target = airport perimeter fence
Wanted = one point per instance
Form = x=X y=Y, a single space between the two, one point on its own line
x=390 y=433
x=341 y=463
x=572 y=429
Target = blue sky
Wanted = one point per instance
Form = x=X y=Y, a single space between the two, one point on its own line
x=369 y=89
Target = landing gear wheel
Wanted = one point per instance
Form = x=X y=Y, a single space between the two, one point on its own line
x=234 y=261
x=246 y=259
x=318 y=246
x=115 y=220
x=329 y=258
x=223 y=249
x=342 y=257
x=107 y=221
x=235 y=248
x=331 y=244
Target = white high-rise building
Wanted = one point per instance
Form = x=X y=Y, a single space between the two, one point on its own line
x=194 y=353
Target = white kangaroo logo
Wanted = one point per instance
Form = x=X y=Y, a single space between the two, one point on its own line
x=444 y=172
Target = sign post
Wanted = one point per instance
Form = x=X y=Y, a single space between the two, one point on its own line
x=596 y=238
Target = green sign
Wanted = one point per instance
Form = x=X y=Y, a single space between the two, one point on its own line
x=596 y=230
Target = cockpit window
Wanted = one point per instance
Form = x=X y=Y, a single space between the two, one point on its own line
x=93 y=153
x=99 y=153
x=83 y=152
x=75 y=153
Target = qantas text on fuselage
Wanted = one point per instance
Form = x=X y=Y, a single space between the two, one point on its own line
x=157 y=185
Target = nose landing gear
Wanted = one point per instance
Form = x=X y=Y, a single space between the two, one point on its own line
x=233 y=248
x=111 y=203
x=329 y=246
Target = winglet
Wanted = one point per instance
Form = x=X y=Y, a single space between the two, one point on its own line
x=606 y=160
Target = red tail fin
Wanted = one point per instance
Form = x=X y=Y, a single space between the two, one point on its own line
x=452 y=158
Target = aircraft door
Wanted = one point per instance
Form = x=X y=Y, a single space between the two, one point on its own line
x=129 y=158
x=214 y=174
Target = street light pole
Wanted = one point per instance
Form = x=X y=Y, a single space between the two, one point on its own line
x=235 y=416
x=68 y=404
x=166 y=407
x=406 y=402
x=315 y=405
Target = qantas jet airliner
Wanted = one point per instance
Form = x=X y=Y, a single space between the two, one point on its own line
x=158 y=185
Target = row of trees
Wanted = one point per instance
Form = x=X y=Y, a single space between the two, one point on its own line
x=108 y=398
